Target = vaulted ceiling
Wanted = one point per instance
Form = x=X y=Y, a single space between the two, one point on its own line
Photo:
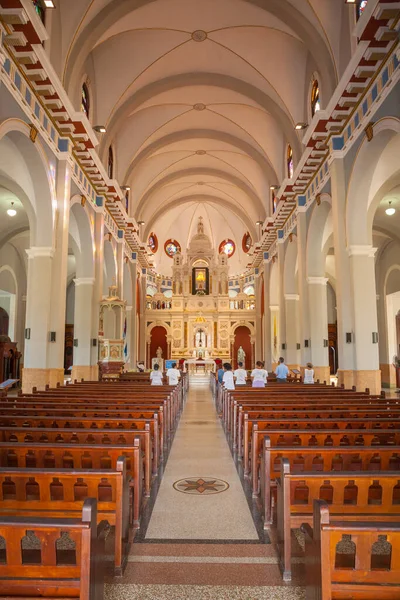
x=200 y=99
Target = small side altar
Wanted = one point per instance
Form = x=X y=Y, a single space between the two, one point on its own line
x=111 y=339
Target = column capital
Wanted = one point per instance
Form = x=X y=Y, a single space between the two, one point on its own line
x=84 y=281
x=292 y=297
x=365 y=250
x=40 y=252
x=317 y=280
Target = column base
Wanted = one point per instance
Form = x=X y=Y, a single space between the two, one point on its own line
x=87 y=373
x=361 y=379
x=388 y=376
x=39 y=378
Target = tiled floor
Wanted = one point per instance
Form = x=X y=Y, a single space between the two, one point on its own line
x=200 y=545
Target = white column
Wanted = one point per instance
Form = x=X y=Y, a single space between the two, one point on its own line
x=132 y=317
x=120 y=268
x=318 y=299
x=304 y=314
x=292 y=354
x=97 y=288
x=267 y=319
x=344 y=305
x=362 y=265
x=274 y=311
x=282 y=307
x=259 y=333
x=142 y=317
x=38 y=307
x=84 y=306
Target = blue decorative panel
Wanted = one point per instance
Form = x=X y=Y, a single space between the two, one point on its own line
x=385 y=76
x=337 y=143
x=365 y=107
x=53 y=134
x=120 y=234
x=301 y=200
x=266 y=255
x=63 y=145
x=28 y=96
x=17 y=80
x=7 y=65
x=37 y=109
x=99 y=201
x=281 y=233
x=374 y=93
x=357 y=120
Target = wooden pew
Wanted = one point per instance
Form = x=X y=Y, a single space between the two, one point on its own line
x=56 y=493
x=320 y=459
x=78 y=456
x=351 y=495
x=49 y=572
x=366 y=573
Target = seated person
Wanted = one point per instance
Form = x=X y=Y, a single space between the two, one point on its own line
x=281 y=371
x=227 y=378
x=309 y=374
x=173 y=375
x=140 y=367
x=259 y=375
x=240 y=375
x=156 y=376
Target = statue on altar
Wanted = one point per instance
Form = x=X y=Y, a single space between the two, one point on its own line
x=241 y=355
x=159 y=352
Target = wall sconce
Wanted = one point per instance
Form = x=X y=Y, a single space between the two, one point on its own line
x=306 y=343
x=374 y=337
x=298 y=346
x=283 y=346
x=52 y=336
x=349 y=338
x=326 y=344
x=76 y=342
x=28 y=333
x=94 y=342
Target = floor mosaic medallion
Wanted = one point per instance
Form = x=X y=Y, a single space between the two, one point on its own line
x=203 y=486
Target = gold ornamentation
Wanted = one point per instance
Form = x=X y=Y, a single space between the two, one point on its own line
x=33 y=133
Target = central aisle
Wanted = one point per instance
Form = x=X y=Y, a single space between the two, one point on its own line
x=193 y=510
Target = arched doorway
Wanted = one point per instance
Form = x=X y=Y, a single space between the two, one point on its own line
x=158 y=337
x=243 y=338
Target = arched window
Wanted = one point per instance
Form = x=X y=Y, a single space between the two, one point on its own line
x=153 y=242
x=247 y=242
x=110 y=164
x=361 y=6
x=85 y=100
x=227 y=247
x=171 y=247
x=39 y=8
x=289 y=161
x=315 y=100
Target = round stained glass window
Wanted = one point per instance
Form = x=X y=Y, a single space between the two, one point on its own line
x=171 y=247
x=227 y=247
x=153 y=242
x=247 y=242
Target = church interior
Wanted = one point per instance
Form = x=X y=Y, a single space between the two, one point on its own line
x=207 y=186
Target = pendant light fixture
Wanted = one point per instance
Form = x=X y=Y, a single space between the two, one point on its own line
x=11 y=211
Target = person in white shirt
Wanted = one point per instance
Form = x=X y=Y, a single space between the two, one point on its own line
x=156 y=376
x=173 y=375
x=309 y=374
x=240 y=375
x=259 y=375
x=281 y=371
x=227 y=378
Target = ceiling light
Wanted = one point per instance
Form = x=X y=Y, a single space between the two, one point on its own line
x=273 y=187
x=299 y=126
x=259 y=222
x=350 y=1
x=100 y=128
x=49 y=4
x=140 y=222
x=126 y=188
x=389 y=211
x=11 y=211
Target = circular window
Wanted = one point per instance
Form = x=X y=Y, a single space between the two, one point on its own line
x=227 y=247
x=171 y=247
x=247 y=242
x=153 y=242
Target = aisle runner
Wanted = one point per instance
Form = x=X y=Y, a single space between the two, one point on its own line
x=201 y=496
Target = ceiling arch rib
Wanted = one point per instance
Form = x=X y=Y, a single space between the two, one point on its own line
x=199 y=171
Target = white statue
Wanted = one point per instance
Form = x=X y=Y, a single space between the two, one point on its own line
x=159 y=352
x=241 y=355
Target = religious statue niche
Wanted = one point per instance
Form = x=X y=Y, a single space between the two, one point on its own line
x=200 y=281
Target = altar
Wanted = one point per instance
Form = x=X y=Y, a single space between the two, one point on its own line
x=194 y=364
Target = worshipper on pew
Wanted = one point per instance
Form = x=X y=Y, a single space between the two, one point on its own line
x=240 y=375
x=281 y=371
x=156 y=376
x=227 y=378
x=259 y=375
x=350 y=495
x=173 y=375
x=354 y=559
x=309 y=374
x=48 y=569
